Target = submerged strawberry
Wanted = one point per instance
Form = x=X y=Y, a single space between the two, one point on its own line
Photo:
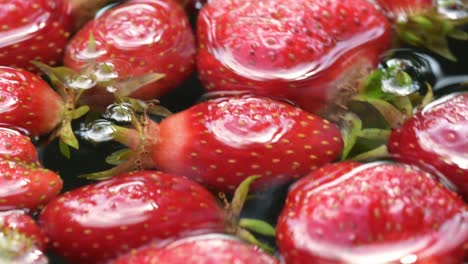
x=223 y=141
x=311 y=52
x=135 y=39
x=21 y=240
x=24 y=184
x=33 y=30
x=372 y=213
x=206 y=249
x=28 y=102
x=95 y=223
x=437 y=139
x=39 y=29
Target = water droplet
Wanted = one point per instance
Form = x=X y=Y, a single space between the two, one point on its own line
x=119 y=112
x=453 y=9
x=99 y=131
x=104 y=72
x=81 y=82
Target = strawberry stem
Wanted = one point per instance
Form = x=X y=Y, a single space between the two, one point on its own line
x=257 y=226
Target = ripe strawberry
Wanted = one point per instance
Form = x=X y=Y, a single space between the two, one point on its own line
x=437 y=139
x=206 y=249
x=39 y=29
x=223 y=141
x=33 y=30
x=134 y=39
x=422 y=23
x=29 y=104
x=373 y=213
x=21 y=240
x=95 y=223
x=23 y=183
x=310 y=52
x=23 y=104
x=18 y=221
x=15 y=146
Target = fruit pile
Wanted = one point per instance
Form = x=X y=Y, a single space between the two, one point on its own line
x=233 y=131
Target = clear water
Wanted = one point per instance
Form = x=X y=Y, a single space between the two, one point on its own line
x=96 y=145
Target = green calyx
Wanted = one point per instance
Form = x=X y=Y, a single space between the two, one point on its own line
x=242 y=228
x=387 y=99
x=62 y=78
x=430 y=30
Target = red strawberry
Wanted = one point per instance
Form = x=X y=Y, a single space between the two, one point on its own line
x=15 y=146
x=33 y=30
x=21 y=240
x=223 y=141
x=437 y=139
x=310 y=52
x=28 y=102
x=23 y=183
x=134 y=39
x=39 y=29
x=18 y=221
x=422 y=22
x=94 y=223
x=206 y=249
x=373 y=213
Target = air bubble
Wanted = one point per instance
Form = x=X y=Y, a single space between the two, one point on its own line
x=99 y=131
x=119 y=112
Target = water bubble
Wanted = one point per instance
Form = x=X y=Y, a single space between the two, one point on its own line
x=119 y=112
x=452 y=9
x=99 y=131
x=81 y=82
x=104 y=72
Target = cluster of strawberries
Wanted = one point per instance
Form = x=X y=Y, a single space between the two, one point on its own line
x=280 y=76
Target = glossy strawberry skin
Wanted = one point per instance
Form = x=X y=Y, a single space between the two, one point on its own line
x=206 y=249
x=24 y=184
x=27 y=102
x=225 y=140
x=436 y=139
x=33 y=30
x=95 y=223
x=137 y=37
x=15 y=146
x=19 y=221
x=373 y=213
x=311 y=52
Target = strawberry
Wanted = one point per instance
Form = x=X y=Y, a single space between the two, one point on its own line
x=222 y=141
x=422 y=23
x=21 y=240
x=24 y=107
x=206 y=249
x=373 y=213
x=18 y=221
x=33 y=30
x=436 y=138
x=310 y=52
x=95 y=223
x=22 y=102
x=24 y=184
x=15 y=146
x=134 y=39
x=39 y=29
